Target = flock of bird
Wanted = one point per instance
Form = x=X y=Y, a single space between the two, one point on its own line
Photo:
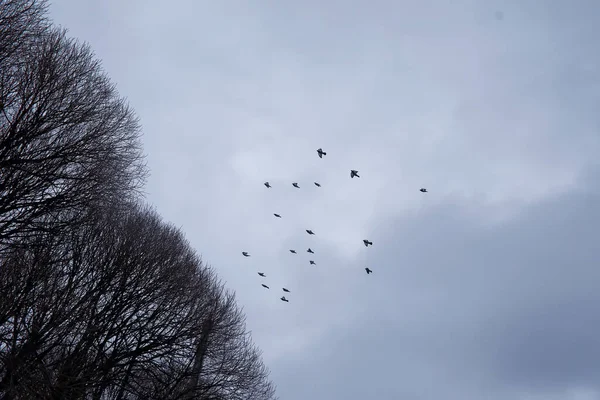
x=366 y=242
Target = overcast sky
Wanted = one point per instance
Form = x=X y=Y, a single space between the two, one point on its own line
x=487 y=287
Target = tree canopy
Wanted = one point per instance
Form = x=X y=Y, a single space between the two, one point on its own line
x=101 y=299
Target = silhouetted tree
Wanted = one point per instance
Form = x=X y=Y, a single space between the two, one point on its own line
x=121 y=309
x=219 y=362
x=21 y=22
x=226 y=362
x=67 y=141
x=99 y=298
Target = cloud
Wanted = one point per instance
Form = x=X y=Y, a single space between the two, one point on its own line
x=484 y=287
x=456 y=309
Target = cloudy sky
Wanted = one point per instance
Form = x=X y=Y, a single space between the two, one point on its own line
x=487 y=287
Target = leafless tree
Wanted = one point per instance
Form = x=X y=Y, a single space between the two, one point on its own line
x=122 y=309
x=219 y=362
x=99 y=299
x=67 y=140
x=121 y=297
x=21 y=22
x=228 y=365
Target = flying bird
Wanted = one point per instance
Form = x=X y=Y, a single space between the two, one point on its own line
x=267 y=184
x=295 y=184
x=262 y=274
x=284 y=299
x=423 y=190
x=317 y=184
x=321 y=153
x=245 y=254
x=293 y=251
x=277 y=215
x=310 y=232
x=310 y=251
x=265 y=286
x=354 y=173
x=285 y=290
x=367 y=243
x=368 y=270
x=312 y=262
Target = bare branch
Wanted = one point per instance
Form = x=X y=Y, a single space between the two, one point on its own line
x=67 y=141
x=100 y=298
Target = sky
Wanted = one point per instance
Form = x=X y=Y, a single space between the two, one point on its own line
x=486 y=287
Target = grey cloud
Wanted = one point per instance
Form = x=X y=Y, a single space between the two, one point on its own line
x=497 y=118
x=460 y=310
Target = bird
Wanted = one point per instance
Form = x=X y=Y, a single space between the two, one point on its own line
x=245 y=254
x=267 y=184
x=367 y=243
x=262 y=274
x=265 y=286
x=354 y=173
x=312 y=262
x=423 y=190
x=284 y=299
x=295 y=184
x=317 y=184
x=310 y=232
x=310 y=251
x=321 y=153
x=285 y=290
x=368 y=270
x=293 y=251
x=277 y=215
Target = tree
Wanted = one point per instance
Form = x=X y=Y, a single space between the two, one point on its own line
x=121 y=309
x=228 y=365
x=115 y=296
x=67 y=141
x=100 y=299
x=21 y=22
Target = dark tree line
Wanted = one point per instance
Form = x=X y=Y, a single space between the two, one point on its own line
x=99 y=298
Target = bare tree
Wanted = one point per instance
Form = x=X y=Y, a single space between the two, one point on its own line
x=231 y=365
x=109 y=295
x=100 y=299
x=121 y=309
x=219 y=363
x=67 y=141
x=32 y=315
x=21 y=22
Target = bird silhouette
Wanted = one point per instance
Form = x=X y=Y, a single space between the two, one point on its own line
x=321 y=153
x=267 y=184
x=310 y=232
x=293 y=251
x=262 y=274
x=368 y=270
x=312 y=262
x=285 y=290
x=245 y=254
x=265 y=286
x=354 y=173
x=423 y=190
x=317 y=184
x=367 y=243
x=284 y=299
x=295 y=184
x=310 y=251
x=277 y=215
